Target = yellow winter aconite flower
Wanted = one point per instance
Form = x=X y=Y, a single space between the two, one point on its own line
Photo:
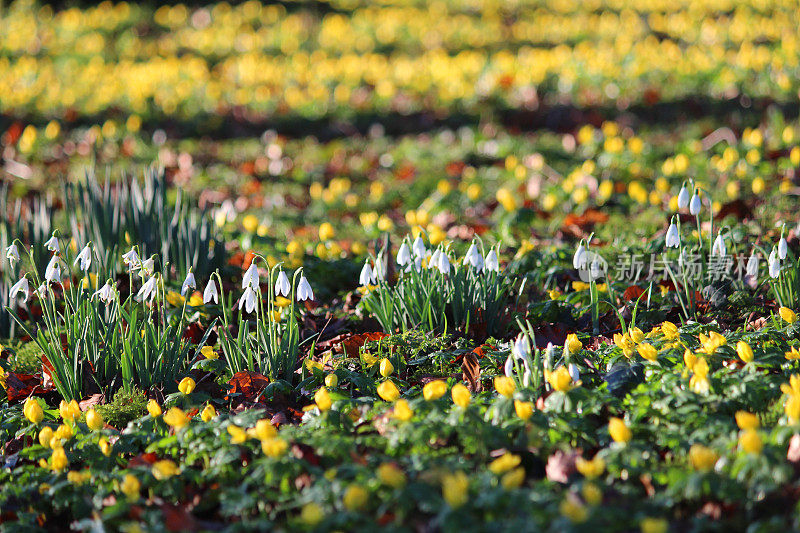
x=506 y=198
x=388 y=391
x=274 y=447
x=311 y=514
x=504 y=463
x=326 y=231
x=670 y=330
x=648 y=351
x=505 y=386
x=750 y=441
x=573 y=344
x=250 y=223
x=58 y=459
x=573 y=510
x=208 y=413
x=793 y=354
x=164 y=469
x=636 y=334
x=45 y=436
x=625 y=343
x=386 y=368
x=592 y=494
x=355 y=498
x=787 y=315
x=331 y=381
x=402 y=410
x=618 y=430
x=744 y=351
x=187 y=385
x=653 y=525
x=176 y=418
x=209 y=353
x=710 y=343
x=513 y=479
x=699 y=382
x=105 y=446
x=130 y=486
x=323 y=399
x=590 y=468
x=455 y=489
x=265 y=430
x=524 y=410
x=434 y=390
x=560 y=379
x=64 y=432
x=238 y=435
x=746 y=420
x=33 y=411
x=94 y=420
x=461 y=395
x=153 y=408
x=689 y=359
x=69 y=411
x=78 y=478
x=702 y=458
x=389 y=474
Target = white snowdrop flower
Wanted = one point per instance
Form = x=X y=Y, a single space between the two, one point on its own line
x=695 y=205
x=579 y=259
x=380 y=269
x=443 y=264
x=752 y=265
x=12 y=254
x=85 y=257
x=210 y=293
x=549 y=354
x=147 y=267
x=492 y=263
x=282 y=285
x=573 y=372
x=526 y=376
x=508 y=368
x=53 y=270
x=21 y=286
x=403 y=255
x=304 y=291
x=52 y=243
x=189 y=283
x=418 y=247
x=718 y=248
x=41 y=292
x=521 y=349
x=250 y=278
x=683 y=198
x=774 y=264
x=148 y=290
x=248 y=299
x=783 y=249
x=131 y=259
x=433 y=260
x=673 y=239
x=474 y=258
x=105 y=293
x=367 y=276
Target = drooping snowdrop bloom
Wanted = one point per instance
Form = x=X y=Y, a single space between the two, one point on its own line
x=52 y=243
x=683 y=198
x=84 y=258
x=520 y=348
x=41 y=291
x=131 y=259
x=433 y=260
x=148 y=290
x=304 y=291
x=696 y=204
x=147 y=267
x=673 y=238
x=492 y=263
x=579 y=259
x=474 y=258
x=210 y=293
x=573 y=372
x=250 y=278
x=718 y=248
x=12 y=254
x=21 y=286
x=774 y=264
x=53 y=271
x=367 y=276
x=105 y=293
x=418 y=247
x=508 y=367
x=443 y=263
x=248 y=299
x=403 y=255
x=752 y=265
x=380 y=268
x=282 y=285
x=189 y=283
x=783 y=249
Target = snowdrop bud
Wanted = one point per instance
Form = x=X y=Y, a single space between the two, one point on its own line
x=695 y=205
x=282 y=285
x=19 y=287
x=774 y=264
x=52 y=243
x=210 y=293
x=12 y=254
x=783 y=249
x=573 y=372
x=304 y=291
x=683 y=198
x=549 y=353
x=53 y=270
x=366 y=276
x=418 y=247
x=508 y=368
x=189 y=283
x=85 y=258
x=520 y=349
x=526 y=377
x=718 y=248
x=492 y=263
x=579 y=259
x=752 y=265
x=403 y=255
x=443 y=264
x=250 y=278
x=673 y=239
